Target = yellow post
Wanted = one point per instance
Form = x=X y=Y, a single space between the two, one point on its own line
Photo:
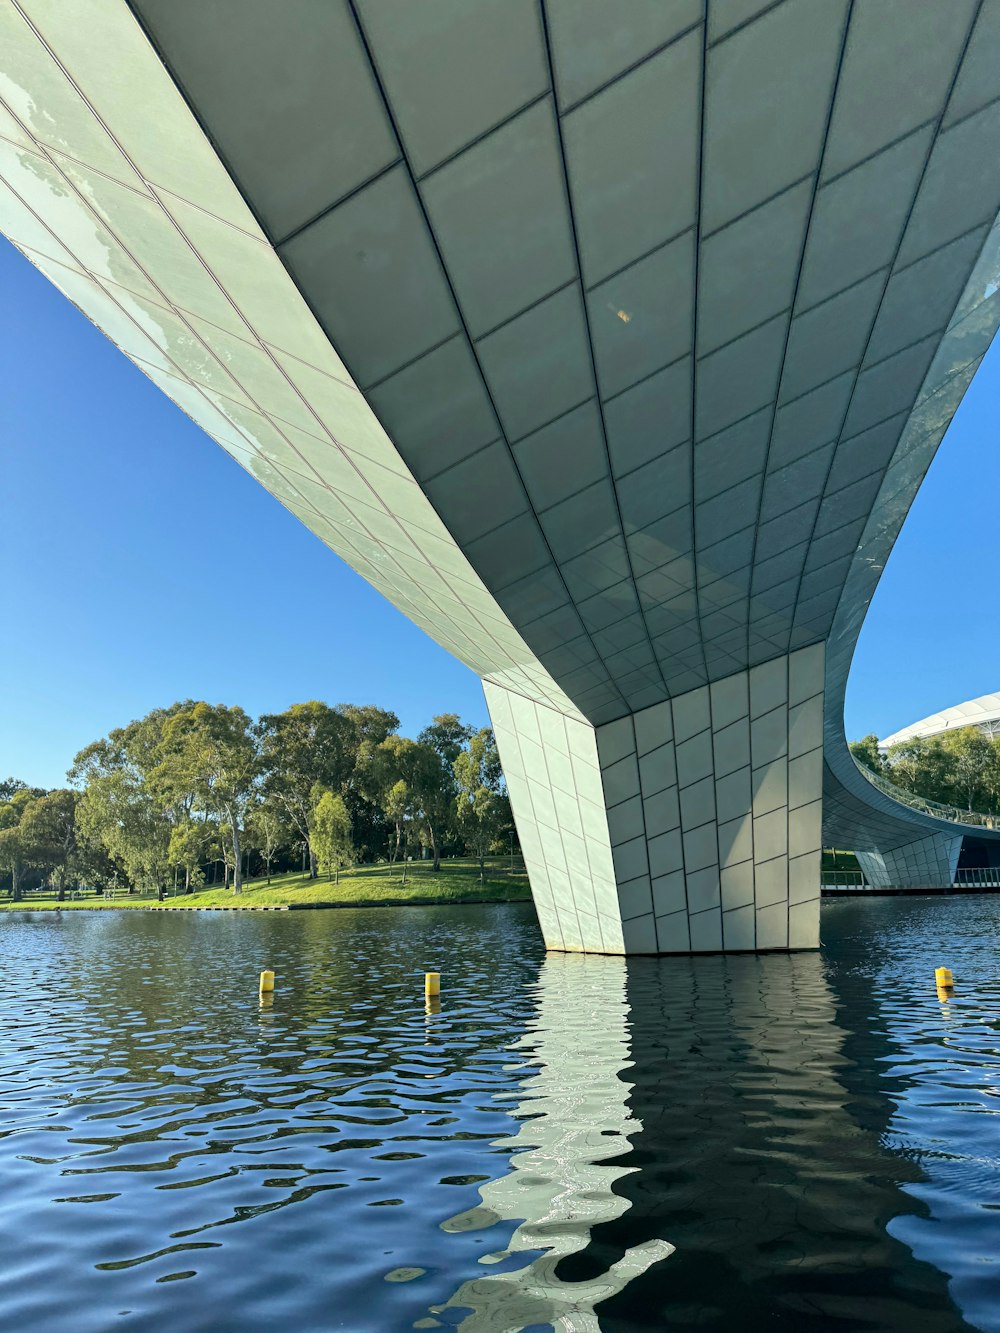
x=432 y=984
x=266 y=981
x=943 y=978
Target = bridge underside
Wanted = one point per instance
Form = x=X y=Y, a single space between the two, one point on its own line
x=611 y=343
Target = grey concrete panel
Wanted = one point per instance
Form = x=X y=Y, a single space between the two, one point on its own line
x=438 y=409
x=764 y=247
x=959 y=188
x=649 y=418
x=768 y=89
x=454 y=70
x=563 y=457
x=641 y=317
x=479 y=494
x=538 y=366
x=371 y=256
x=740 y=378
x=831 y=337
x=280 y=148
x=589 y=53
x=858 y=218
x=976 y=81
x=896 y=74
x=500 y=215
x=632 y=157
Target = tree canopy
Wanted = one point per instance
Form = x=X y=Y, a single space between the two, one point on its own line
x=197 y=787
x=960 y=768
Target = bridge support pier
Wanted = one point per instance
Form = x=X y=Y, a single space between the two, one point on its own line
x=692 y=826
x=924 y=863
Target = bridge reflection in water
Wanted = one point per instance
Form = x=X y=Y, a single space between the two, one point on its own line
x=700 y=1148
x=571 y=1150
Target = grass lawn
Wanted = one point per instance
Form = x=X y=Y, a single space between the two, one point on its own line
x=458 y=881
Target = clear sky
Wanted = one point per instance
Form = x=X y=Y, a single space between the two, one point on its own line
x=141 y=565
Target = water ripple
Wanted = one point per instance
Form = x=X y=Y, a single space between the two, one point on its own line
x=573 y=1143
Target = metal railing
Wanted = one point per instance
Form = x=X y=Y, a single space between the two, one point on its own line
x=978 y=877
x=843 y=879
x=972 y=877
x=926 y=807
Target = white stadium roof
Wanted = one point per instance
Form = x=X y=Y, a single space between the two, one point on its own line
x=981 y=712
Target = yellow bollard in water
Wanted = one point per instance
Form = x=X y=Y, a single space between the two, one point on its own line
x=266 y=981
x=432 y=984
x=943 y=978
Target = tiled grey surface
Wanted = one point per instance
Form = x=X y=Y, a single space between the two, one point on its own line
x=554 y=778
x=577 y=223
x=618 y=481
x=927 y=863
x=638 y=840
x=714 y=812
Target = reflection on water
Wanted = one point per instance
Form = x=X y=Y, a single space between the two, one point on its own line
x=575 y=1055
x=803 y=1142
x=762 y=1159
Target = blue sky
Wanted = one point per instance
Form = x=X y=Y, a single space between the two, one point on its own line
x=141 y=565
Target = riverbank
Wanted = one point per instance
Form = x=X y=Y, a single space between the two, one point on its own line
x=363 y=886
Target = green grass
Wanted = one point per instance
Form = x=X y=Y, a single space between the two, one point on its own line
x=458 y=881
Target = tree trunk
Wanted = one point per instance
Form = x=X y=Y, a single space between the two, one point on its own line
x=435 y=849
x=482 y=866
x=237 y=857
x=17 y=874
x=313 y=872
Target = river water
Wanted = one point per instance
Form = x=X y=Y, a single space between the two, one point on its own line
x=802 y=1142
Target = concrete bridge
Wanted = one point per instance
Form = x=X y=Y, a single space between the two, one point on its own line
x=611 y=343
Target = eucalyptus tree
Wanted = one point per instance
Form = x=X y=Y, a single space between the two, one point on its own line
x=15 y=849
x=975 y=758
x=924 y=766
x=48 y=831
x=369 y=826
x=408 y=782
x=446 y=735
x=188 y=847
x=442 y=742
x=308 y=745
x=384 y=770
x=867 y=753
x=370 y=723
x=331 y=833
x=209 y=753
x=267 y=830
x=119 y=807
x=482 y=807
